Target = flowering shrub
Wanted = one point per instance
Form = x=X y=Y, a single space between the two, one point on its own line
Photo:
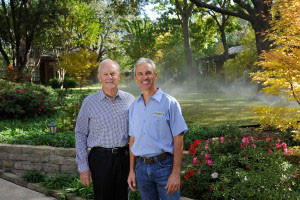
x=246 y=167
x=24 y=100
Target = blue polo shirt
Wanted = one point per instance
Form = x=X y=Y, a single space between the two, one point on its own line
x=154 y=125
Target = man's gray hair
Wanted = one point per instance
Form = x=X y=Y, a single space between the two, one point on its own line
x=147 y=61
x=107 y=61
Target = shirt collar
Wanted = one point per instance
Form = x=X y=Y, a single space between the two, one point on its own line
x=103 y=96
x=157 y=95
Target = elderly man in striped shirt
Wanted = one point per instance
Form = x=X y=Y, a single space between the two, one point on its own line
x=102 y=125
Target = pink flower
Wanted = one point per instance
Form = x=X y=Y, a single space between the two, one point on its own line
x=254 y=145
x=277 y=146
x=209 y=162
x=195 y=161
x=245 y=140
x=206 y=141
x=247 y=167
x=268 y=139
x=270 y=151
x=287 y=152
x=278 y=140
x=221 y=139
x=251 y=139
x=283 y=145
x=207 y=155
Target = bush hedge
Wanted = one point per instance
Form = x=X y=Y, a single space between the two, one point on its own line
x=20 y=100
x=246 y=166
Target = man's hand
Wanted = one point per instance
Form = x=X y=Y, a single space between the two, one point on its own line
x=131 y=181
x=85 y=178
x=173 y=184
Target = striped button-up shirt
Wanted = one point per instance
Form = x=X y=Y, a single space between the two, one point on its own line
x=101 y=122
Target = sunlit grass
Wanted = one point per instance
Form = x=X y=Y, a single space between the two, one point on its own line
x=214 y=112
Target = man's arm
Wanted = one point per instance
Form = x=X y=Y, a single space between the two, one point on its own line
x=173 y=184
x=131 y=177
x=81 y=132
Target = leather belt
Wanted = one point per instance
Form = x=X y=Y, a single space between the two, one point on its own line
x=113 y=150
x=151 y=160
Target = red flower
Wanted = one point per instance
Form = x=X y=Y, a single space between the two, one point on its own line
x=268 y=139
x=211 y=188
x=20 y=91
x=197 y=142
x=247 y=167
x=192 y=149
x=41 y=107
x=189 y=174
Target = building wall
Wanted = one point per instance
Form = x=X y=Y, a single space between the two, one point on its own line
x=50 y=160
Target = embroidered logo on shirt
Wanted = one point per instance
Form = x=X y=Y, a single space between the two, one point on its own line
x=159 y=113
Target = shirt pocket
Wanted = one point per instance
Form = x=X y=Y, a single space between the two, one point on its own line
x=159 y=117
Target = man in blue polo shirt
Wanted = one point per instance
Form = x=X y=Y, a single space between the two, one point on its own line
x=156 y=128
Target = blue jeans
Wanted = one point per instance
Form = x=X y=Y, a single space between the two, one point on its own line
x=153 y=178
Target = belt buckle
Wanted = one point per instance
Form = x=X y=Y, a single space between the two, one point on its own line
x=114 y=150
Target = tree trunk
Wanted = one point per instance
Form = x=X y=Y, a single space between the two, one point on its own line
x=187 y=45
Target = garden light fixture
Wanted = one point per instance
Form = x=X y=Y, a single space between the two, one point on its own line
x=52 y=127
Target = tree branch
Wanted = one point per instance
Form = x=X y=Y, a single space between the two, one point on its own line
x=240 y=14
x=8 y=23
x=178 y=6
x=244 y=5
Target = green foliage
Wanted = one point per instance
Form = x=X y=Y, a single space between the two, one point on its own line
x=54 y=83
x=37 y=137
x=242 y=64
x=241 y=167
x=140 y=38
x=78 y=189
x=69 y=82
x=58 y=181
x=25 y=100
x=33 y=176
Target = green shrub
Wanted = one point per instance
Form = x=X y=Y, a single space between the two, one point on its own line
x=37 y=137
x=33 y=176
x=25 y=100
x=58 y=181
x=54 y=83
x=240 y=167
x=78 y=189
x=69 y=82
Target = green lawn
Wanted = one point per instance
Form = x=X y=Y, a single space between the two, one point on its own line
x=217 y=111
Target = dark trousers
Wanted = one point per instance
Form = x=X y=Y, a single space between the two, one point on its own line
x=109 y=174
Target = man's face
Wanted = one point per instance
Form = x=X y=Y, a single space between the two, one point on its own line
x=145 y=76
x=109 y=76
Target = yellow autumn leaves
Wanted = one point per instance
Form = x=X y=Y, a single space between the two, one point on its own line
x=280 y=74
